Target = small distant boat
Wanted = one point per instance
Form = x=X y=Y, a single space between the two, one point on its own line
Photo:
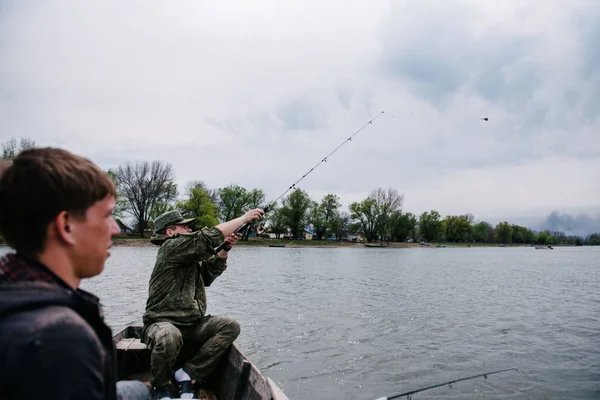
x=544 y=247
x=277 y=245
x=237 y=378
x=375 y=245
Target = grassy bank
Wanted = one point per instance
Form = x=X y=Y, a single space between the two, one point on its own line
x=128 y=241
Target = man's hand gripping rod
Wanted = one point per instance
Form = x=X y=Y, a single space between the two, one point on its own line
x=240 y=229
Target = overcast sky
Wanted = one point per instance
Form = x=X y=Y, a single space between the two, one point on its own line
x=256 y=93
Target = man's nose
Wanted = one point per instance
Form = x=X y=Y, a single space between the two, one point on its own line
x=115 y=230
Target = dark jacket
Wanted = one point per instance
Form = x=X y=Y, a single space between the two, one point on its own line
x=185 y=265
x=53 y=339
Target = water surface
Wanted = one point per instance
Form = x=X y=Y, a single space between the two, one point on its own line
x=359 y=323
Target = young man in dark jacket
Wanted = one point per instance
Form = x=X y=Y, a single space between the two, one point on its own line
x=56 y=212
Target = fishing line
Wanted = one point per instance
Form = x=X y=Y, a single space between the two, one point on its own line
x=449 y=383
x=328 y=155
x=247 y=225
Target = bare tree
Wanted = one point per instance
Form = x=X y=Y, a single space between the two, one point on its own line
x=374 y=212
x=145 y=185
x=11 y=148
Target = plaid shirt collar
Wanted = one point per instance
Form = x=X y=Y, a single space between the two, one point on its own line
x=18 y=268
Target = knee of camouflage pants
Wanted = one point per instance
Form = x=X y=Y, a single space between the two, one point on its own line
x=231 y=329
x=225 y=329
x=164 y=341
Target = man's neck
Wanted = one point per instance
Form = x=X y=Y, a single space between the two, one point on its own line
x=59 y=263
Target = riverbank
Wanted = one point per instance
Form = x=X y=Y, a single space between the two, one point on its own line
x=136 y=242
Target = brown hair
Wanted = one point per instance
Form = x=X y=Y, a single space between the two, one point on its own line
x=41 y=183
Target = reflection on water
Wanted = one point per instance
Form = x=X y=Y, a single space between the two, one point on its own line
x=358 y=323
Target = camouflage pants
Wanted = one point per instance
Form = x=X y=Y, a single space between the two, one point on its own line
x=197 y=348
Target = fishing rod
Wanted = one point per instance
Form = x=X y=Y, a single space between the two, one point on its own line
x=485 y=375
x=246 y=225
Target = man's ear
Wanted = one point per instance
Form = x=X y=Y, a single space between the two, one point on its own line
x=64 y=227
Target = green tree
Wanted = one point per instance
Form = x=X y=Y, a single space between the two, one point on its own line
x=255 y=199
x=233 y=201
x=503 y=232
x=330 y=205
x=483 y=232
x=593 y=239
x=457 y=228
x=295 y=211
x=213 y=194
x=356 y=228
x=276 y=222
x=199 y=205
x=530 y=236
x=340 y=225
x=542 y=238
x=403 y=226
x=318 y=219
x=374 y=212
x=430 y=226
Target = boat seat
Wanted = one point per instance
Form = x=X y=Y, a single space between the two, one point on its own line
x=130 y=344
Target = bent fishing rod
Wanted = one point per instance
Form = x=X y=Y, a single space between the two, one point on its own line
x=407 y=394
x=247 y=225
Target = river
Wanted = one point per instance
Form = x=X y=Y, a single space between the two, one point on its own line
x=360 y=323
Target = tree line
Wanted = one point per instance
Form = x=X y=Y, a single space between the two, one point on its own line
x=148 y=189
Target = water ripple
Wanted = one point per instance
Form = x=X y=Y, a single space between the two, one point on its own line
x=363 y=323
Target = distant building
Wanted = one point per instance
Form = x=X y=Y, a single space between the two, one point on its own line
x=309 y=235
x=125 y=230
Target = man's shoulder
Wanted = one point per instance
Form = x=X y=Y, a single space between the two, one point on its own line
x=53 y=322
x=54 y=344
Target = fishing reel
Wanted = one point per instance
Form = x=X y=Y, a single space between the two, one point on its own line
x=245 y=229
x=258 y=227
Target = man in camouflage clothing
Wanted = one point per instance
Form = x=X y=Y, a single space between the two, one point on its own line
x=177 y=329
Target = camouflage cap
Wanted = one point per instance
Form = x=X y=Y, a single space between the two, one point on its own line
x=169 y=218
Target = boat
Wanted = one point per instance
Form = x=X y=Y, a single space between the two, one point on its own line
x=544 y=247
x=277 y=245
x=236 y=378
x=375 y=245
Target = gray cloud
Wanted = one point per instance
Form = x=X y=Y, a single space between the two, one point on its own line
x=581 y=224
x=217 y=88
x=302 y=114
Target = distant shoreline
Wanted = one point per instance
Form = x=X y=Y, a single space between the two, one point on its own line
x=121 y=242
x=136 y=242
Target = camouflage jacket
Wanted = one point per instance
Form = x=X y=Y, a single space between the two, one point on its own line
x=185 y=264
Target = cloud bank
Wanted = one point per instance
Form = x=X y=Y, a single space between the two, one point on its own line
x=257 y=94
